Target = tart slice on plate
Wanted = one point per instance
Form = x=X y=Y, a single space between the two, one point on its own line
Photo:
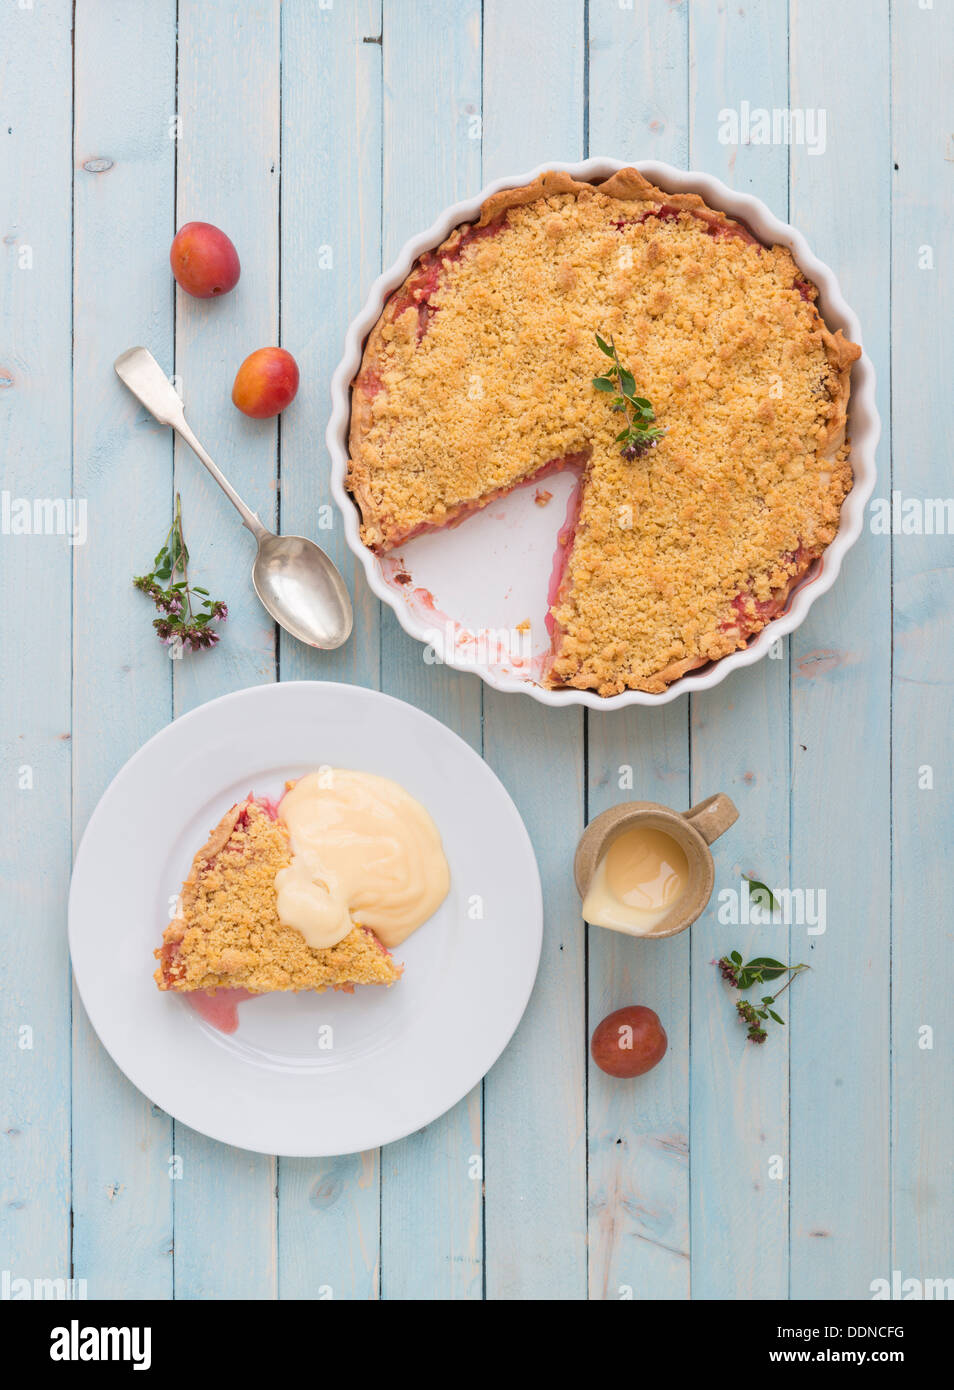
x=228 y=934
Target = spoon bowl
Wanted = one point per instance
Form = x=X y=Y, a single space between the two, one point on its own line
x=302 y=590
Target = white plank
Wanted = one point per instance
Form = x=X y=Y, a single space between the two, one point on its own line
x=536 y=1190
x=431 y=1198
x=228 y=173
x=330 y=253
x=922 y=350
x=840 y=707
x=638 y=1131
x=35 y=363
x=739 y=1132
x=122 y=677
x=329 y=1209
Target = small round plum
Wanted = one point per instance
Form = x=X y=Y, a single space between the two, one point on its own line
x=266 y=383
x=203 y=260
x=629 y=1041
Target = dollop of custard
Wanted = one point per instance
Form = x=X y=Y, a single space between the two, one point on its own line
x=363 y=851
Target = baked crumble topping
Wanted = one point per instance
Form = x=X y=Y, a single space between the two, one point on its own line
x=228 y=934
x=478 y=376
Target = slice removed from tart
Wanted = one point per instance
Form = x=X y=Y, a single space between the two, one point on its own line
x=227 y=934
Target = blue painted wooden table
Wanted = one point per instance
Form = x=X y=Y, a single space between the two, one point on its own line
x=320 y=134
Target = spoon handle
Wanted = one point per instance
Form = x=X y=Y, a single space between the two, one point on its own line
x=140 y=371
x=249 y=518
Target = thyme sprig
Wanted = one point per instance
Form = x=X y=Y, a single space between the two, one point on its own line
x=184 y=621
x=640 y=433
x=756 y=972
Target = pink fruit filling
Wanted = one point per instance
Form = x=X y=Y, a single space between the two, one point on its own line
x=426 y=279
x=220 y=1010
x=753 y=613
x=561 y=557
x=266 y=803
x=371 y=381
x=462 y=510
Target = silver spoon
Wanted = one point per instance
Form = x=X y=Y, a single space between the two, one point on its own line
x=294 y=578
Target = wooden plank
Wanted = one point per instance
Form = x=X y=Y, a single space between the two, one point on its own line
x=638 y=1132
x=923 y=740
x=329 y=1227
x=124 y=172
x=227 y=173
x=638 y=80
x=535 y=1216
x=35 y=420
x=739 y=1128
x=330 y=253
x=840 y=712
x=431 y=1199
x=329 y=1209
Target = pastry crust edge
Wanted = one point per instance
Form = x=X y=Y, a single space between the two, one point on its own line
x=175 y=931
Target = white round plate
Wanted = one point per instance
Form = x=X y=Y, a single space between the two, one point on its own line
x=467 y=592
x=398 y=1057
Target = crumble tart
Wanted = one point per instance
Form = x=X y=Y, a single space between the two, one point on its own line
x=477 y=378
x=228 y=934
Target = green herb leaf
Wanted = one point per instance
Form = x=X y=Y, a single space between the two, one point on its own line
x=639 y=434
x=768 y=969
x=177 y=622
x=762 y=894
x=755 y=972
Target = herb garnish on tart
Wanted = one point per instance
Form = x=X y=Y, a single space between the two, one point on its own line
x=640 y=433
